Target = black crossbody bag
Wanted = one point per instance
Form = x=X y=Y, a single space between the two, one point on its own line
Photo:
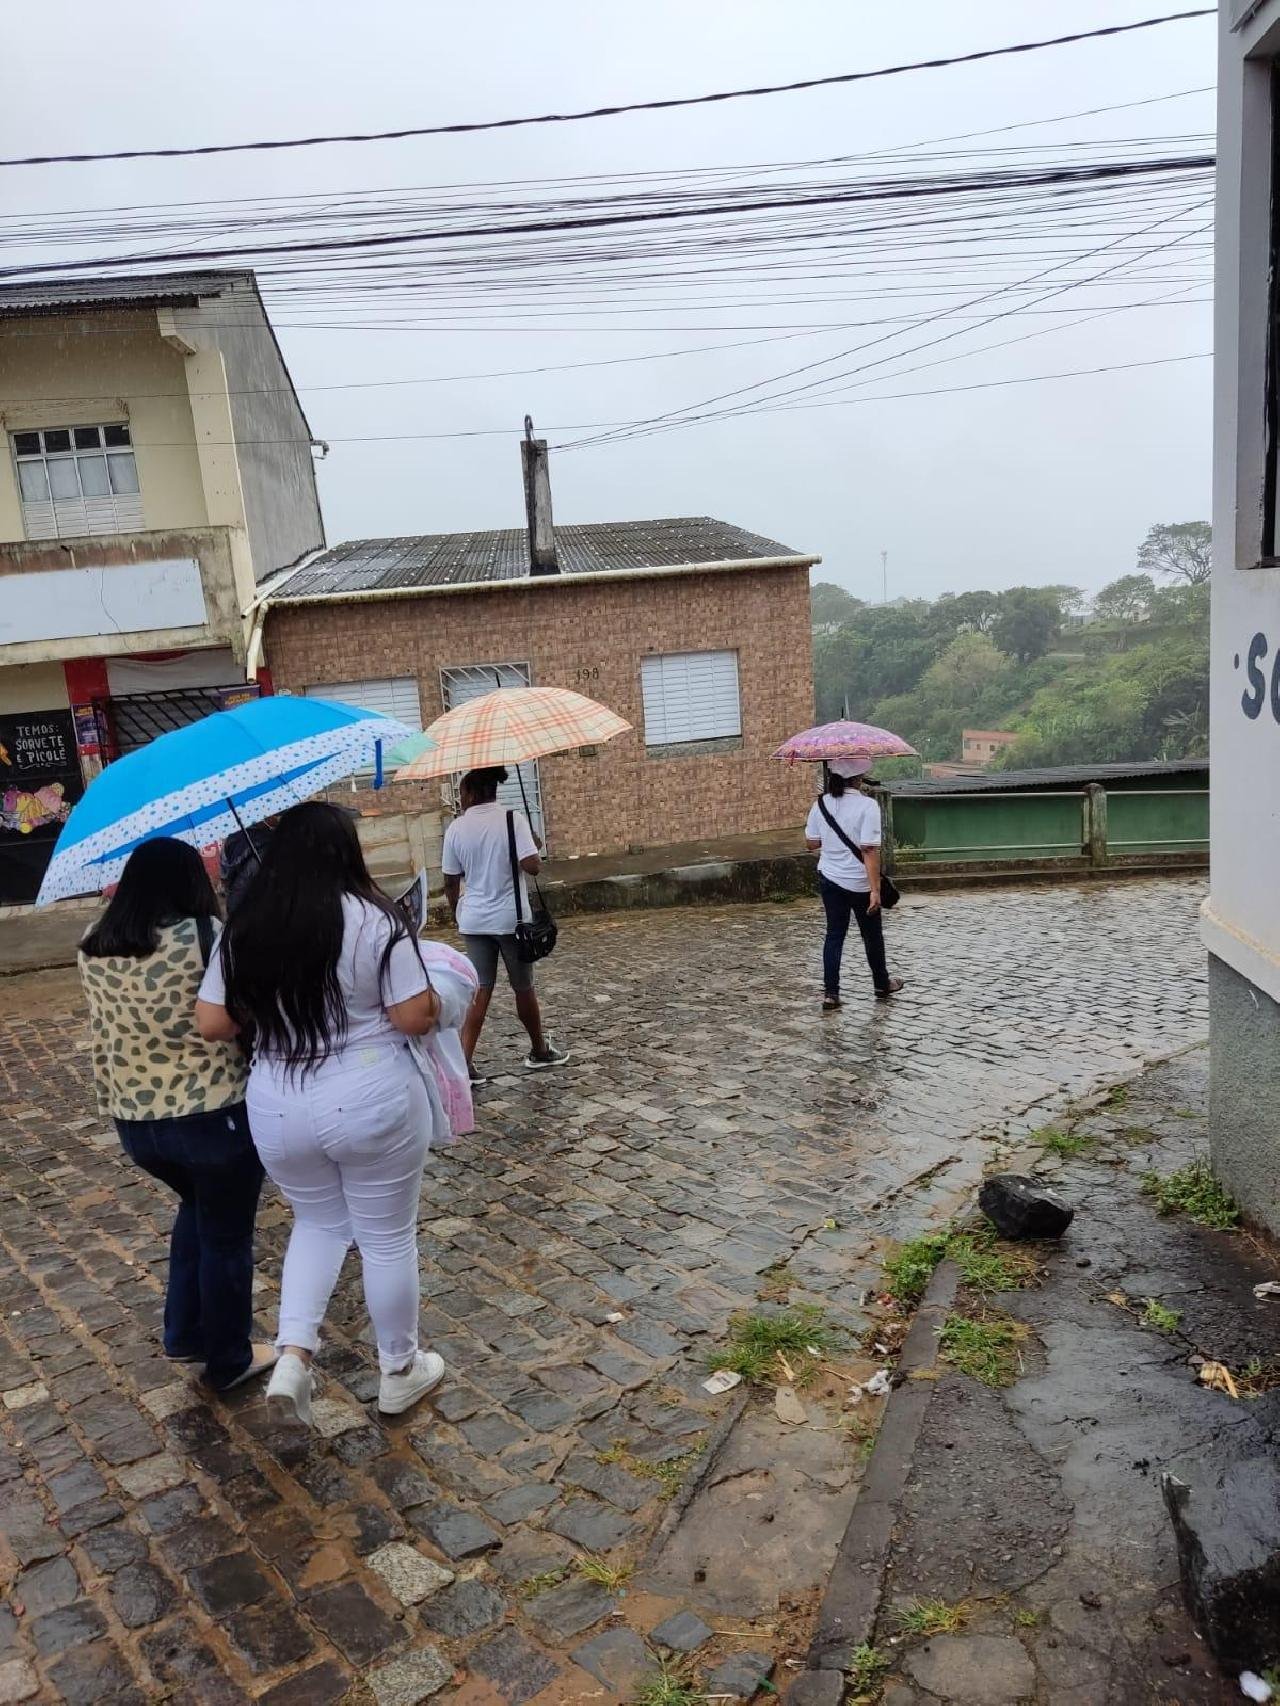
x=889 y=896
x=535 y=939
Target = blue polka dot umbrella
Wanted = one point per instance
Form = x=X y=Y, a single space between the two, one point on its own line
x=227 y=771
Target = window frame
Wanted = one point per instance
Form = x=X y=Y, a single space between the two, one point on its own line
x=340 y=690
x=76 y=454
x=711 y=740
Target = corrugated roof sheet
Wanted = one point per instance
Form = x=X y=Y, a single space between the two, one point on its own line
x=139 y=290
x=1062 y=776
x=435 y=560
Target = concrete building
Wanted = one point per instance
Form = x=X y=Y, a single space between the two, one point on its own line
x=694 y=630
x=157 y=466
x=980 y=746
x=1241 y=921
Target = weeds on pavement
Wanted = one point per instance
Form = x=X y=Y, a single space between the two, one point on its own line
x=1064 y=1144
x=1160 y=1317
x=673 y=1686
x=1193 y=1191
x=985 y=1267
x=986 y=1350
x=1025 y=1617
x=532 y=1585
x=605 y=1575
x=759 y=1344
x=924 y=1617
x=865 y=1669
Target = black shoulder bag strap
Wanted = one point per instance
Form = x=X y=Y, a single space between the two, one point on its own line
x=515 y=866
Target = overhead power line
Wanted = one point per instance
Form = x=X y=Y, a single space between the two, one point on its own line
x=839 y=78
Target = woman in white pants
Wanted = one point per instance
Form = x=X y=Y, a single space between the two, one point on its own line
x=320 y=968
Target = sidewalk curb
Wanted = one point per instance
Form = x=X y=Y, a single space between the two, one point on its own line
x=847 y=1617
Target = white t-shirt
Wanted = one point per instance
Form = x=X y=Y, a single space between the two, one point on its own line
x=859 y=817
x=365 y=933
x=476 y=849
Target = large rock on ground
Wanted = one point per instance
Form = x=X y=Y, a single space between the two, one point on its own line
x=1021 y=1207
x=1227 y=1523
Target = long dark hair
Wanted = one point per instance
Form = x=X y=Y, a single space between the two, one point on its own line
x=836 y=785
x=163 y=881
x=280 y=948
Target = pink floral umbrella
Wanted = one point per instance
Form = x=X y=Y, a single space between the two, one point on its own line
x=844 y=739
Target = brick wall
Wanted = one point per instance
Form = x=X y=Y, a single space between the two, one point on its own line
x=622 y=797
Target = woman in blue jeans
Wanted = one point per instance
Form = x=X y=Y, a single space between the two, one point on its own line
x=843 y=819
x=178 y=1101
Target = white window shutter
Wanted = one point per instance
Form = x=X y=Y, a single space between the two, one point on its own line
x=395 y=697
x=690 y=696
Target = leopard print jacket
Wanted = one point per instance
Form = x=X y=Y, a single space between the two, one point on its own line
x=149 y=1060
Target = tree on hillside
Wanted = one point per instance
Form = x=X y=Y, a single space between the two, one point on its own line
x=1029 y=620
x=1130 y=599
x=1180 y=549
x=830 y=606
x=968 y=667
x=967 y=612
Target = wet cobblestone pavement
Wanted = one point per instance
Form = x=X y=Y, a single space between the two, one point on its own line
x=581 y=1253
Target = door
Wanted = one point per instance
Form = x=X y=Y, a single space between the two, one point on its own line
x=472 y=681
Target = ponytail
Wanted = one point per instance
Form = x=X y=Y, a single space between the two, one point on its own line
x=836 y=785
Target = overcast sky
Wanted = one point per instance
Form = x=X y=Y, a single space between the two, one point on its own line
x=1052 y=481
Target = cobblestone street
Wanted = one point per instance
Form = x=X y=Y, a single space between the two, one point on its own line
x=582 y=1252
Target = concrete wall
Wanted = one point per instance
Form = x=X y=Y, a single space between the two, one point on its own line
x=33 y=687
x=1241 y=919
x=623 y=796
x=1244 y=1109
x=211 y=548
x=276 y=469
x=96 y=368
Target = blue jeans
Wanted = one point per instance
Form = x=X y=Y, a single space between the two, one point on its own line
x=210 y=1161
x=839 y=904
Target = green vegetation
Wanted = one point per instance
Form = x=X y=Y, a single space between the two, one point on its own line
x=609 y=1576
x=865 y=1669
x=540 y=1583
x=673 y=1686
x=1193 y=1191
x=986 y=1350
x=1159 y=1317
x=985 y=1267
x=1065 y=1144
x=1130 y=684
x=668 y=1473
x=757 y=1342
x=1025 y=1617
x=925 y=1617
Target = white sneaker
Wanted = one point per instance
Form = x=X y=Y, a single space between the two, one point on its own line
x=289 y=1391
x=397 y=1392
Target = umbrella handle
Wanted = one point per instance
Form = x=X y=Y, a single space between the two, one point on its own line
x=240 y=826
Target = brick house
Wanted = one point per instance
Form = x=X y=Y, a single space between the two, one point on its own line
x=694 y=630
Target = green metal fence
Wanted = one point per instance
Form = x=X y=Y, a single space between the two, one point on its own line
x=1090 y=826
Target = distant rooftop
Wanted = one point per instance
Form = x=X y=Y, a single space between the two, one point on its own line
x=1064 y=776
x=139 y=290
x=436 y=561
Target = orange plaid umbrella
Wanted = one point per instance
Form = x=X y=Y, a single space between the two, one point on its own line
x=510 y=726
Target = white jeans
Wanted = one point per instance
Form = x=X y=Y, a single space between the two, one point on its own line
x=346 y=1146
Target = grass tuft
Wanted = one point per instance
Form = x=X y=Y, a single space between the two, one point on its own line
x=606 y=1575
x=985 y=1350
x=538 y=1584
x=925 y=1617
x=1193 y=1191
x=984 y=1266
x=1159 y=1317
x=756 y=1342
x=673 y=1686
x=865 y=1668
x=1025 y=1617
x=1064 y=1144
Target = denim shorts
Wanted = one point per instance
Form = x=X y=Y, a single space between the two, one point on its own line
x=484 y=952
